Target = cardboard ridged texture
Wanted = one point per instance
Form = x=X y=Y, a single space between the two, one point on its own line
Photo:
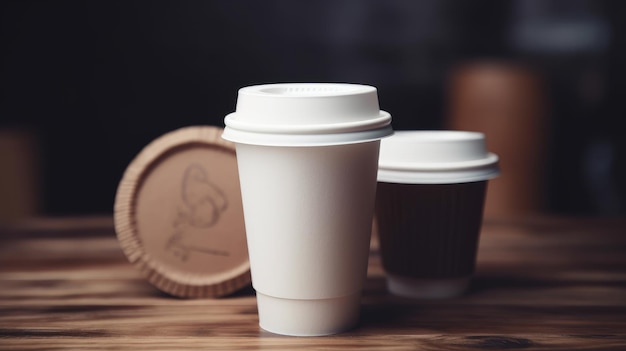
x=430 y=231
x=179 y=217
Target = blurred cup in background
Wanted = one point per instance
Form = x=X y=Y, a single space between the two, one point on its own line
x=507 y=102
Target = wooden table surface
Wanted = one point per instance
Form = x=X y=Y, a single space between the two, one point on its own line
x=541 y=284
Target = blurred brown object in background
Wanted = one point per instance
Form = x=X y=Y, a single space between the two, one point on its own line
x=507 y=102
x=19 y=175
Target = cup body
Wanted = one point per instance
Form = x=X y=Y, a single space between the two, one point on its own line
x=308 y=217
x=428 y=236
x=308 y=156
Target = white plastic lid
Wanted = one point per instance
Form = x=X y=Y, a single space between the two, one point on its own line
x=307 y=114
x=436 y=157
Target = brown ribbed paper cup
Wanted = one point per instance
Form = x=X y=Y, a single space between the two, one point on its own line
x=429 y=209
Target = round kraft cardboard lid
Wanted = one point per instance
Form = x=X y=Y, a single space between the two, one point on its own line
x=179 y=217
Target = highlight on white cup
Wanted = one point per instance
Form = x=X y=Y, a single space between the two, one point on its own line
x=308 y=156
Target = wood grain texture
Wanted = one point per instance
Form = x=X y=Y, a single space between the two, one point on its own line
x=541 y=284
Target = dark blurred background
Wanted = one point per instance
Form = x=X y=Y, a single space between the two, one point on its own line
x=85 y=85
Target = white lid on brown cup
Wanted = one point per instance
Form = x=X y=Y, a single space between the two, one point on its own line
x=436 y=157
x=179 y=216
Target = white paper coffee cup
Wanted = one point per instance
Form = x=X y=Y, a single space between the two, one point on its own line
x=307 y=157
x=429 y=209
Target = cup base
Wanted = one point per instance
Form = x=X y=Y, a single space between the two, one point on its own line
x=427 y=288
x=319 y=317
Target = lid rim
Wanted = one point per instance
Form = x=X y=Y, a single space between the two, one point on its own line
x=304 y=140
x=383 y=119
x=436 y=177
x=490 y=160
